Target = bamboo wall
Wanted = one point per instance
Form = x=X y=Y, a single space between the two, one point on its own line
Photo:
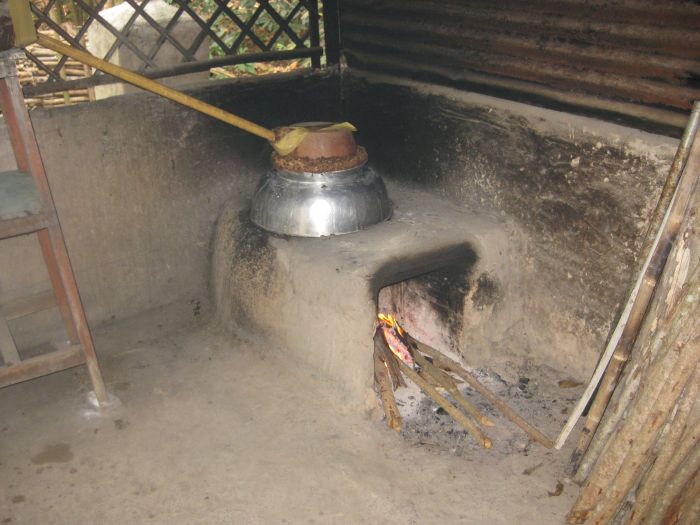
x=31 y=74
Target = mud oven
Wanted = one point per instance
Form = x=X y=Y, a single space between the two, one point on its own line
x=438 y=268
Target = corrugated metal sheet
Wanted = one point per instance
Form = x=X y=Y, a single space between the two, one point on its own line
x=634 y=57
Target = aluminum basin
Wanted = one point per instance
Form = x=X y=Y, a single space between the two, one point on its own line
x=320 y=204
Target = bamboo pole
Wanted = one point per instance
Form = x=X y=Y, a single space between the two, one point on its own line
x=628 y=325
x=155 y=87
x=629 y=334
x=638 y=303
x=448 y=364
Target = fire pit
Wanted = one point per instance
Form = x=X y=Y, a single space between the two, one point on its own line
x=322 y=188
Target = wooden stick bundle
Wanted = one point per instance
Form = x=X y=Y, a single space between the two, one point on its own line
x=667 y=217
x=442 y=379
x=647 y=442
x=427 y=381
x=435 y=375
x=450 y=365
x=676 y=443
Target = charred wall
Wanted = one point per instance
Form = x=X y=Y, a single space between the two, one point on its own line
x=582 y=190
x=636 y=58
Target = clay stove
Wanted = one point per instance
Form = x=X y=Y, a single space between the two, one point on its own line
x=319 y=297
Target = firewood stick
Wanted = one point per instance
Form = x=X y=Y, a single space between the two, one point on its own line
x=619 y=465
x=387 y=356
x=680 y=482
x=655 y=477
x=659 y=327
x=468 y=425
x=442 y=379
x=688 y=504
x=637 y=457
x=386 y=393
x=450 y=365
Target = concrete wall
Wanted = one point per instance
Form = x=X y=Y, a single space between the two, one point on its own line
x=581 y=189
x=139 y=183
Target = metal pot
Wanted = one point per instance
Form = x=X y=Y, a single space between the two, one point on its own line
x=319 y=204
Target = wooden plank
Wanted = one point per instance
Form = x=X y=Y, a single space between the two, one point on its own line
x=23 y=306
x=22 y=226
x=42 y=365
x=8 y=350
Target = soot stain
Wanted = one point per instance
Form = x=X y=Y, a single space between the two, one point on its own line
x=58 y=453
x=447 y=289
x=486 y=293
x=253 y=265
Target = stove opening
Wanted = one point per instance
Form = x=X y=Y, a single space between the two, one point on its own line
x=443 y=302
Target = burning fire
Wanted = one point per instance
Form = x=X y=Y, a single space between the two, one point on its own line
x=395 y=338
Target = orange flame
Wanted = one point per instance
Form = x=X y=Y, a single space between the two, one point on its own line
x=389 y=321
x=395 y=338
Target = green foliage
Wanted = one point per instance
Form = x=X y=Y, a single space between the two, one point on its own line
x=264 y=26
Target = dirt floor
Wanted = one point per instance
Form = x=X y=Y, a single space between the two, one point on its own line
x=212 y=428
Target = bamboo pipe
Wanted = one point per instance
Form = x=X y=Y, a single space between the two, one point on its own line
x=155 y=87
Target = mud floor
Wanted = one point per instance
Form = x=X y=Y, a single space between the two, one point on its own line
x=212 y=428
